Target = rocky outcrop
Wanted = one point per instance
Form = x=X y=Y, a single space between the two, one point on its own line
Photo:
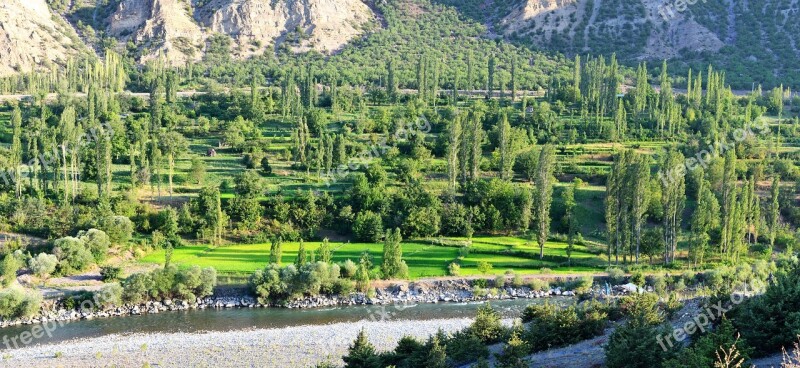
x=179 y=29
x=160 y=27
x=254 y=25
x=32 y=37
x=581 y=24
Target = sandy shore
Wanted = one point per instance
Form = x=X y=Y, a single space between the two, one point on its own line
x=302 y=346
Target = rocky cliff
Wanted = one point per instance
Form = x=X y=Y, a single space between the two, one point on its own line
x=635 y=29
x=158 y=27
x=323 y=25
x=31 y=36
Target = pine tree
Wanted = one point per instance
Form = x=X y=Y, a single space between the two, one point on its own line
x=361 y=354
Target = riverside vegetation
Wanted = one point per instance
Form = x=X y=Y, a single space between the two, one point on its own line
x=422 y=151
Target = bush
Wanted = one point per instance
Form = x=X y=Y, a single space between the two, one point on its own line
x=110 y=295
x=454 y=269
x=616 y=276
x=552 y=326
x=16 y=302
x=777 y=313
x=119 y=229
x=348 y=269
x=73 y=256
x=500 y=281
x=539 y=285
x=484 y=267
x=43 y=264
x=110 y=273
x=97 y=242
x=8 y=269
x=487 y=326
x=169 y=282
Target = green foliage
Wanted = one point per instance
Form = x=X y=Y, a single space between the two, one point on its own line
x=43 y=264
x=552 y=326
x=73 y=255
x=169 y=282
x=368 y=227
x=777 y=312
x=487 y=326
x=16 y=302
x=110 y=273
x=361 y=354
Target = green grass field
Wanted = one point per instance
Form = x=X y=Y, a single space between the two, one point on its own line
x=424 y=260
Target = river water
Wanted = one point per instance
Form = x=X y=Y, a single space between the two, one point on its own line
x=263 y=318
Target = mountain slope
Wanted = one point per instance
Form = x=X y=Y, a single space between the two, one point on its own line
x=323 y=25
x=158 y=26
x=757 y=40
x=31 y=36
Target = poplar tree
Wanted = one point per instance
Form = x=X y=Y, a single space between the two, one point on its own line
x=568 y=198
x=544 y=195
x=454 y=133
x=505 y=148
x=774 y=210
x=276 y=251
x=673 y=199
x=16 y=149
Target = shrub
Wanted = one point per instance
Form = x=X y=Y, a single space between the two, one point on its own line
x=487 y=326
x=349 y=269
x=552 y=326
x=484 y=267
x=454 y=269
x=72 y=255
x=777 y=312
x=8 y=269
x=43 y=264
x=616 y=276
x=97 y=242
x=110 y=273
x=539 y=285
x=500 y=281
x=16 y=302
x=638 y=279
x=119 y=229
x=110 y=295
x=464 y=347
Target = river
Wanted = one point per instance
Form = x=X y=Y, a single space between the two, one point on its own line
x=209 y=320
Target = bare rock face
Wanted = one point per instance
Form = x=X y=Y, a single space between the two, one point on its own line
x=574 y=21
x=323 y=25
x=31 y=36
x=163 y=27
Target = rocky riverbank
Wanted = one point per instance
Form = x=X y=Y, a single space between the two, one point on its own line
x=443 y=291
x=301 y=346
